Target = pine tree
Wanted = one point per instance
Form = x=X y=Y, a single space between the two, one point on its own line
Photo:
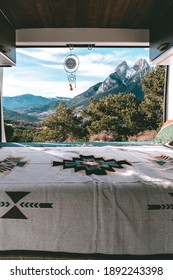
x=115 y=114
x=152 y=106
x=62 y=125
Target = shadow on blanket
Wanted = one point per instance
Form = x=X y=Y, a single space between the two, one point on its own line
x=42 y=255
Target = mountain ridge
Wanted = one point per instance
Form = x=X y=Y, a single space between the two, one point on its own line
x=124 y=79
x=30 y=108
x=28 y=101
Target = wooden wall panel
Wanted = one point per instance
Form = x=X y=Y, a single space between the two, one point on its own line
x=139 y=14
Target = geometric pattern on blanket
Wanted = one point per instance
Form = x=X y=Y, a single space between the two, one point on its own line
x=15 y=212
x=10 y=162
x=91 y=164
x=161 y=206
x=162 y=159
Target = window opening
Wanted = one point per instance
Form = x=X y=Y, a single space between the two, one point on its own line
x=119 y=96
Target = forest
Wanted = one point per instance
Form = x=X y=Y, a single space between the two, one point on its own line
x=116 y=117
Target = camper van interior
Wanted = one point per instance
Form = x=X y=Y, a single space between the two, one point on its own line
x=88 y=199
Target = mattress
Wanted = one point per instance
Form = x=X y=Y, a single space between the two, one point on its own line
x=87 y=199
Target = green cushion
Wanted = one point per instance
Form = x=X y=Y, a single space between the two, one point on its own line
x=166 y=133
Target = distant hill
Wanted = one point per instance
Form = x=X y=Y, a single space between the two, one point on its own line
x=14 y=115
x=30 y=108
x=27 y=101
x=43 y=111
x=125 y=79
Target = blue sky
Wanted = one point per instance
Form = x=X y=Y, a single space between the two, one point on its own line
x=40 y=71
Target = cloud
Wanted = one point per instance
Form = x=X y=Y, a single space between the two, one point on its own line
x=13 y=87
x=45 y=54
x=91 y=65
x=95 y=70
x=45 y=74
x=52 y=66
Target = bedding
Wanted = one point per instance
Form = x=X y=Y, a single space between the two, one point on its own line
x=87 y=199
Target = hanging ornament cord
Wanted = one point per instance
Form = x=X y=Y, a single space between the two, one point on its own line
x=71 y=64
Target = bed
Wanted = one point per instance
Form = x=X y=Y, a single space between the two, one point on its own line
x=87 y=199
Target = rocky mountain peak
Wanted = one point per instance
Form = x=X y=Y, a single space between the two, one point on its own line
x=124 y=75
x=125 y=79
x=141 y=64
x=122 y=69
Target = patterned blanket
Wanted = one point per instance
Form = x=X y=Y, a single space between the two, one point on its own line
x=109 y=200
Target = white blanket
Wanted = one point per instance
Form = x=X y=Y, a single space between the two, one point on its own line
x=109 y=200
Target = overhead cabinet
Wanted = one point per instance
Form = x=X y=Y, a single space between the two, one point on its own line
x=7 y=42
x=161 y=38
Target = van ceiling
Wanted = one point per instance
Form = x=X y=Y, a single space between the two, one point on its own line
x=134 y=14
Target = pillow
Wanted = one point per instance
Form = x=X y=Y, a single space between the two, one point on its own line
x=169 y=144
x=166 y=133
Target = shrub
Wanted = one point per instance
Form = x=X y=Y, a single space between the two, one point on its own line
x=101 y=137
x=147 y=135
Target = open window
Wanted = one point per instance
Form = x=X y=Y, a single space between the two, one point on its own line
x=114 y=95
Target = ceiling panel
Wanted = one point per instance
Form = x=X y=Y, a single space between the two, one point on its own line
x=136 y=14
